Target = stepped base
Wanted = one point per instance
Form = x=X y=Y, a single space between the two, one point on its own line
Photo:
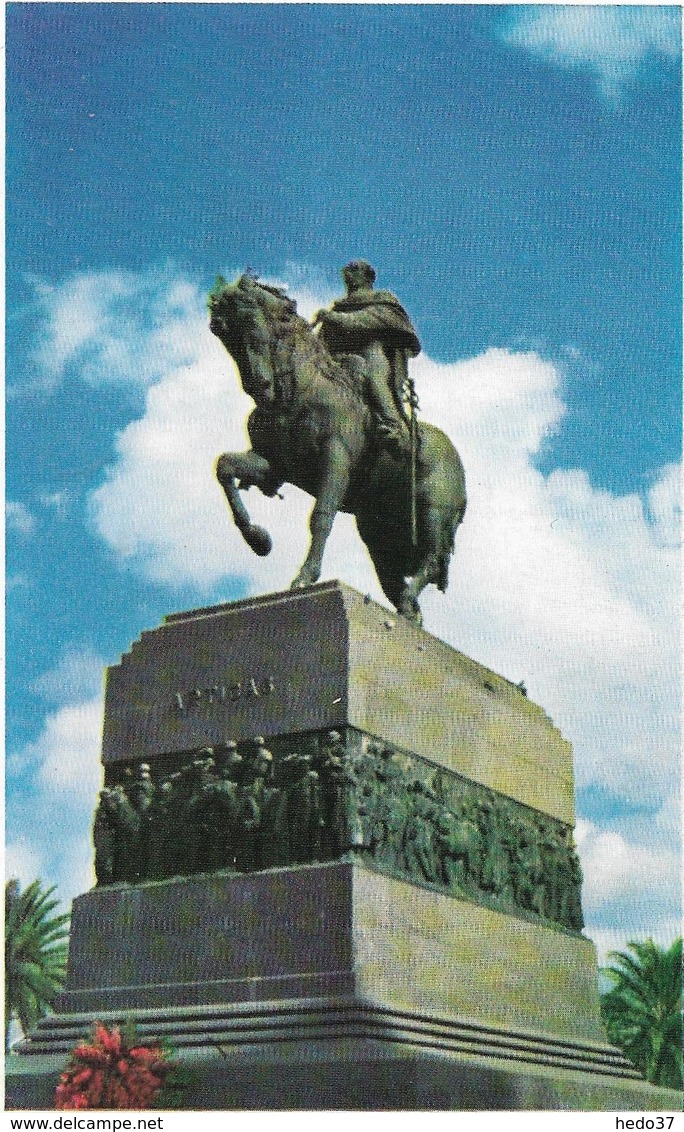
x=236 y=1027
x=351 y=1055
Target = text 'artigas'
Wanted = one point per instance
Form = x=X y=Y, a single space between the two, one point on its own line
x=250 y=688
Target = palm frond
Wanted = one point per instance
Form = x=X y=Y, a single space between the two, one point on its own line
x=642 y=1008
x=35 y=953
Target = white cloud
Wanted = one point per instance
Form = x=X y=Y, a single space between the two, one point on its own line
x=665 y=507
x=23 y=861
x=56 y=501
x=19 y=518
x=573 y=589
x=16 y=582
x=607 y=940
x=631 y=891
x=618 y=872
x=613 y=41
x=162 y=507
x=57 y=810
x=78 y=675
x=68 y=749
x=117 y=327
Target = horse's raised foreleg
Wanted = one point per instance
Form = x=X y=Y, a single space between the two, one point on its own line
x=247 y=468
x=331 y=492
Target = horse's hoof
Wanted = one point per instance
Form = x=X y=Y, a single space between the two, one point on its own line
x=259 y=540
x=411 y=611
x=302 y=581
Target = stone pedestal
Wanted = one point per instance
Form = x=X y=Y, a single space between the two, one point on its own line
x=401 y=967
x=325 y=657
x=326 y=931
x=332 y=986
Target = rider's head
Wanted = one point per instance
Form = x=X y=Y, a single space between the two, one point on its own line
x=358 y=274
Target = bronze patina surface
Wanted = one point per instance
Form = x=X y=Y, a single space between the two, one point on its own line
x=322 y=796
x=332 y=424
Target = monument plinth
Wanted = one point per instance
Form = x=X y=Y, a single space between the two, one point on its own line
x=374 y=904
x=322 y=658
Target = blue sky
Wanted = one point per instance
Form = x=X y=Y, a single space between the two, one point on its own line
x=513 y=172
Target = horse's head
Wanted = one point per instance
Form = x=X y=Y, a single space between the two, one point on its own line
x=238 y=317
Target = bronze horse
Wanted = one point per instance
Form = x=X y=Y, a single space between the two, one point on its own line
x=312 y=428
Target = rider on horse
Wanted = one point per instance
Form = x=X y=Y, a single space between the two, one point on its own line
x=373 y=324
x=306 y=429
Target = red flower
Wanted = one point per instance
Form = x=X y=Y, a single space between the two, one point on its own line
x=67 y=1099
x=95 y=1089
x=82 y=1077
x=107 y=1074
x=146 y=1055
x=110 y=1040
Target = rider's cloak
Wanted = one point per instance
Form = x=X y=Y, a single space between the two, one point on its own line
x=373 y=316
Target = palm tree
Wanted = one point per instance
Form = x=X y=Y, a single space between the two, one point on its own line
x=642 y=1010
x=35 y=956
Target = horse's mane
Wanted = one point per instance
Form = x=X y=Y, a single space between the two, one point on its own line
x=298 y=334
x=280 y=293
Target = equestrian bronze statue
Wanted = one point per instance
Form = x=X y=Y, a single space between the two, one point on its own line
x=316 y=426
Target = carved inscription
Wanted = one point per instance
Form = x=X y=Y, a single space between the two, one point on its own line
x=186 y=701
